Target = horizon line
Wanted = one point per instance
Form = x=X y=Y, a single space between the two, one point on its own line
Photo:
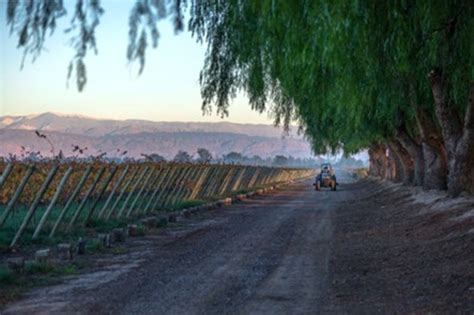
x=78 y=115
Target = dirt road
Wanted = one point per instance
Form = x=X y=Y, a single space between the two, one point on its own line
x=362 y=249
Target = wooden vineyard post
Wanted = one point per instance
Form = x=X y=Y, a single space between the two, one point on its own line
x=86 y=197
x=132 y=191
x=177 y=187
x=8 y=169
x=149 y=190
x=264 y=177
x=244 y=179
x=140 y=192
x=272 y=176
x=176 y=196
x=247 y=177
x=16 y=195
x=261 y=179
x=158 y=184
x=199 y=184
x=173 y=186
x=112 y=193
x=239 y=179
x=124 y=190
x=208 y=182
x=101 y=193
x=218 y=181
x=168 y=184
x=35 y=204
x=226 y=182
x=60 y=187
x=70 y=200
x=228 y=185
x=196 y=176
x=254 y=177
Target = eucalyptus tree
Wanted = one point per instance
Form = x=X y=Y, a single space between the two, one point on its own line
x=352 y=74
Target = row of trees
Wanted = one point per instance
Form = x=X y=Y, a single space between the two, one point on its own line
x=204 y=156
x=392 y=76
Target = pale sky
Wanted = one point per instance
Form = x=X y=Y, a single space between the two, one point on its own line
x=168 y=90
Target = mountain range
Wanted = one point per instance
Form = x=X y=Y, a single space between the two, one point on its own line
x=66 y=132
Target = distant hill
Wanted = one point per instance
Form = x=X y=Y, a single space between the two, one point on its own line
x=141 y=136
x=100 y=127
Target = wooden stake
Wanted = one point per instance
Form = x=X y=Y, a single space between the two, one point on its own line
x=5 y=173
x=70 y=200
x=35 y=204
x=16 y=195
x=61 y=185
x=112 y=193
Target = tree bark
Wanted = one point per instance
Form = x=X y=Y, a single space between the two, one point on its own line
x=397 y=168
x=458 y=138
x=378 y=160
x=434 y=153
x=461 y=168
x=408 y=164
x=415 y=152
x=447 y=115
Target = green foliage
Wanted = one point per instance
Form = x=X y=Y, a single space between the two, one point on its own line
x=349 y=72
x=34 y=267
x=183 y=204
x=95 y=246
x=6 y=275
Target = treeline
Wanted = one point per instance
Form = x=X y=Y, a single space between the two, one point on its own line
x=201 y=156
x=396 y=77
x=204 y=156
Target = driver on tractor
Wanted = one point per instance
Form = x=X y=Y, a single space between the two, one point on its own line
x=326 y=178
x=326 y=169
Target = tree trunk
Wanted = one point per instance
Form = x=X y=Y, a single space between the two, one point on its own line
x=415 y=152
x=405 y=163
x=461 y=168
x=459 y=140
x=434 y=153
x=397 y=167
x=378 y=160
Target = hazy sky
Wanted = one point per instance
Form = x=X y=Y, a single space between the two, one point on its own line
x=168 y=90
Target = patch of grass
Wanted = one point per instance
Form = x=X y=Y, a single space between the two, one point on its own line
x=45 y=268
x=101 y=226
x=66 y=270
x=187 y=203
x=141 y=230
x=34 y=267
x=94 y=246
x=245 y=191
x=6 y=276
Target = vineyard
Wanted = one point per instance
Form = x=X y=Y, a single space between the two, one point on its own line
x=44 y=200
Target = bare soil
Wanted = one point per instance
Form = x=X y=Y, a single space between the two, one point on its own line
x=366 y=248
